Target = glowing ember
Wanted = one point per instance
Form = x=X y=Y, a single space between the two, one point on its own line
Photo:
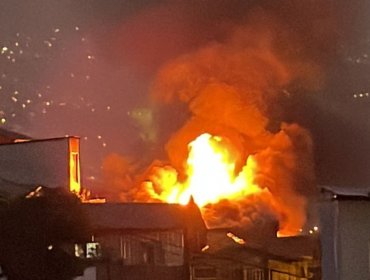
x=235 y=238
x=211 y=177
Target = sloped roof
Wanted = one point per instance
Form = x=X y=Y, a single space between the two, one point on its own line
x=142 y=216
x=338 y=192
x=10 y=189
x=7 y=136
x=295 y=247
x=282 y=248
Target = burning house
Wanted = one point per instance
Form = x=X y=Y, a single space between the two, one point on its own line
x=241 y=167
x=238 y=162
x=164 y=240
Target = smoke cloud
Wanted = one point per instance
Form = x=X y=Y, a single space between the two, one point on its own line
x=228 y=88
x=232 y=86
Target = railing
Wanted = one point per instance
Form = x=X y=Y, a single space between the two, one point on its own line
x=278 y=275
x=253 y=273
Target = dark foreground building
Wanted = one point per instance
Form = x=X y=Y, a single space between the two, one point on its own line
x=143 y=240
x=230 y=257
x=26 y=164
x=345 y=233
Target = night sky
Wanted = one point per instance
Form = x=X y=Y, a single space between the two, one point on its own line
x=85 y=68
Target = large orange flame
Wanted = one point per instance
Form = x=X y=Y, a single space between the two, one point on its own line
x=211 y=175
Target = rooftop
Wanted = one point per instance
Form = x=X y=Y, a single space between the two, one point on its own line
x=351 y=193
x=220 y=242
x=142 y=216
x=7 y=136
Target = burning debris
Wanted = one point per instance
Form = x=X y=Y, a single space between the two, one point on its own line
x=235 y=238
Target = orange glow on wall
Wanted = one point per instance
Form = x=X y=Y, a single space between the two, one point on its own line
x=74 y=166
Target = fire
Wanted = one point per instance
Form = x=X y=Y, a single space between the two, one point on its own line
x=211 y=175
x=74 y=166
x=249 y=170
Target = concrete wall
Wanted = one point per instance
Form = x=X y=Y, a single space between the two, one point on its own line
x=345 y=237
x=40 y=162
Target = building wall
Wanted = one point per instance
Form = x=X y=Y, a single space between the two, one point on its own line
x=328 y=237
x=354 y=237
x=345 y=235
x=40 y=162
x=162 y=248
x=141 y=255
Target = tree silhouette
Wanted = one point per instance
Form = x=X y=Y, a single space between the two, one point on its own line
x=37 y=234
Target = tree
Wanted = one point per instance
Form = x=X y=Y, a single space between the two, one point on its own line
x=37 y=234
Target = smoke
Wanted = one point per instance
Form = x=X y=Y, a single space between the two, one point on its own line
x=118 y=175
x=232 y=86
x=286 y=169
x=228 y=88
x=252 y=210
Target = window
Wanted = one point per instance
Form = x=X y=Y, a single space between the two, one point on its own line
x=93 y=250
x=90 y=251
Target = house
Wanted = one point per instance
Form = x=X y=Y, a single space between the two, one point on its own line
x=294 y=257
x=345 y=233
x=28 y=163
x=228 y=256
x=143 y=240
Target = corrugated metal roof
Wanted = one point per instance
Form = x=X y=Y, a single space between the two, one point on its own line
x=337 y=191
x=131 y=216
